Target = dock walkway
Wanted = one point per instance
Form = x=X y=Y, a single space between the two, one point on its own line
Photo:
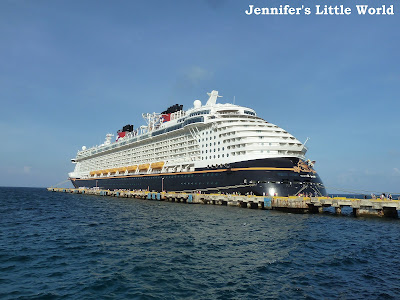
x=361 y=207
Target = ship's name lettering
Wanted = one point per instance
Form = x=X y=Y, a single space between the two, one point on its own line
x=309 y=176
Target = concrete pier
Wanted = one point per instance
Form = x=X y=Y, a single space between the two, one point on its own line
x=361 y=207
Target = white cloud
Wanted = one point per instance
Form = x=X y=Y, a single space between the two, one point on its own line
x=370 y=172
x=196 y=74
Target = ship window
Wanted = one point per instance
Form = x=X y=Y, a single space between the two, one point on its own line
x=249 y=113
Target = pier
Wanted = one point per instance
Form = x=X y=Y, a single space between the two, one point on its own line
x=360 y=207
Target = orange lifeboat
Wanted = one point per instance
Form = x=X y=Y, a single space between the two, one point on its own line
x=121 y=170
x=113 y=171
x=157 y=165
x=132 y=168
x=144 y=167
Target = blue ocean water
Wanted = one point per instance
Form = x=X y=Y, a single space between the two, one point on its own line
x=68 y=246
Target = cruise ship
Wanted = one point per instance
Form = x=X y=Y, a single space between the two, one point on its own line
x=210 y=148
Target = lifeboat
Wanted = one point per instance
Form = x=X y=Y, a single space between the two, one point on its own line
x=121 y=170
x=157 y=165
x=144 y=167
x=92 y=173
x=113 y=171
x=104 y=172
x=132 y=168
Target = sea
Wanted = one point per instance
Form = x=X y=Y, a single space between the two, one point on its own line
x=73 y=246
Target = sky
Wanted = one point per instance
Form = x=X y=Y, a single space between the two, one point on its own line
x=72 y=71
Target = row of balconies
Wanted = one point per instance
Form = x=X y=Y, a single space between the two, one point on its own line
x=184 y=154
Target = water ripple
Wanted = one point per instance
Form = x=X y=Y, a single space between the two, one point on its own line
x=65 y=246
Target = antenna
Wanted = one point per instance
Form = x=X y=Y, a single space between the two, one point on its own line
x=306 y=141
x=234 y=98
